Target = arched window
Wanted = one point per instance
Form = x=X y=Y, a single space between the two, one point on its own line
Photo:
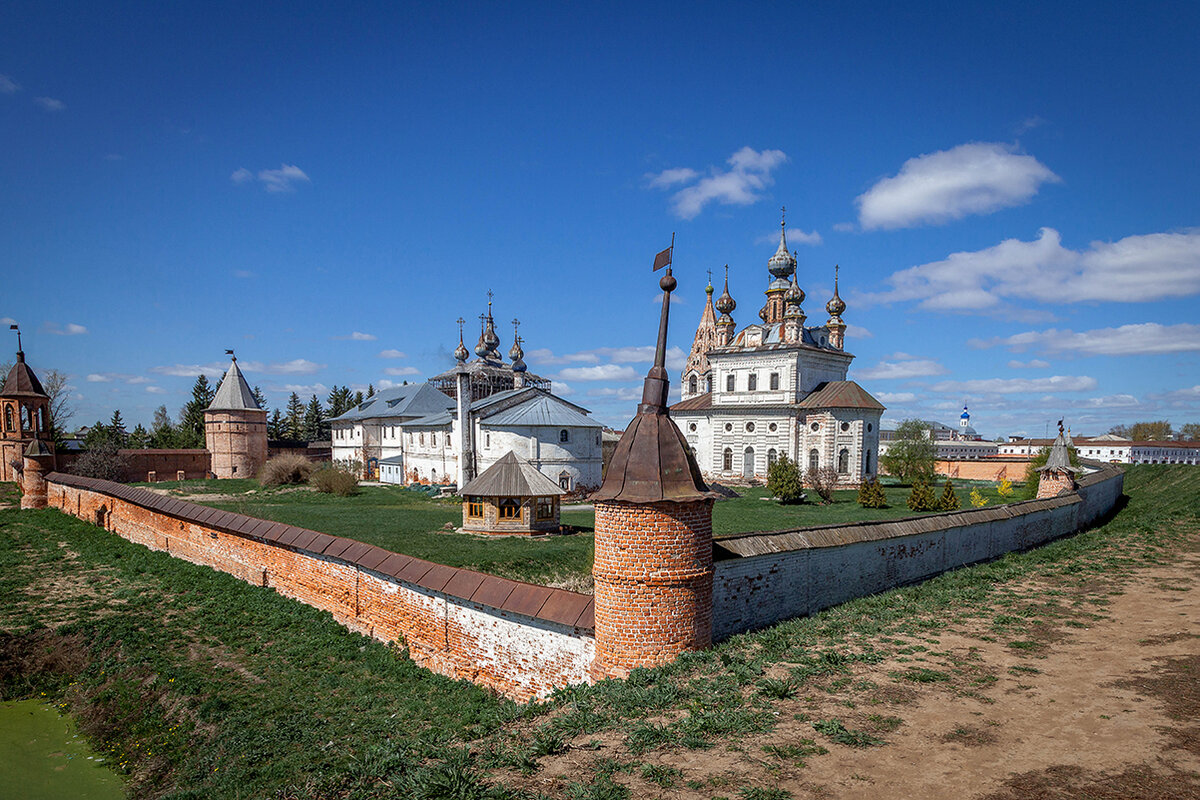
x=564 y=435
x=8 y=419
x=772 y=457
x=564 y=481
x=727 y=460
x=748 y=463
x=692 y=385
x=843 y=461
x=814 y=459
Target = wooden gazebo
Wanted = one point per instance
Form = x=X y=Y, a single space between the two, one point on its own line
x=511 y=497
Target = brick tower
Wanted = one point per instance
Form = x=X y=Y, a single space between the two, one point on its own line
x=24 y=416
x=235 y=428
x=653 y=564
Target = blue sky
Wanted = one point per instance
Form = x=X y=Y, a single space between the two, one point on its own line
x=1010 y=193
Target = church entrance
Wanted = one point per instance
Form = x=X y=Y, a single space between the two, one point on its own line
x=748 y=463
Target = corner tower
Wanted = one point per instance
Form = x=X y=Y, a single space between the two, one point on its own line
x=24 y=416
x=235 y=428
x=653 y=565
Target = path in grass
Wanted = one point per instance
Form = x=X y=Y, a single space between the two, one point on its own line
x=410 y=522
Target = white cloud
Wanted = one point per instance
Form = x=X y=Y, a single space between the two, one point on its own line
x=402 y=371
x=303 y=389
x=604 y=372
x=1127 y=340
x=8 y=85
x=97 y=378
x=896 y=397
x=243 y=274
x=392 y=354
x=1035 y=363
x=135 y=379
x=1028 y=124
x=748 y=175
x=189 y=370
x=1056 y=383
x=283 y=179
x=156 y=390
x=50 y=104
x=70 y=329
x=903 y=367
x=358 y=336
x=624 y=394
x=7 y=321
x=1188 y=398
x=1134 y=269
x=975 y=178
x=794 y=236
x=563 y=389
x=297 y=366
x=1111 y=401
x=858 y=332
x=670 y=177
x=642 y=354
x=844 y=227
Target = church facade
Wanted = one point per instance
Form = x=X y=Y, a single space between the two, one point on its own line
x=776 y=387
x=453 y=427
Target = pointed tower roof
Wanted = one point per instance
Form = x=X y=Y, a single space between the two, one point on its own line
x=234 y=393
x=21 y=381
x=706 y=335
x=782 y=264
x=1060 y=454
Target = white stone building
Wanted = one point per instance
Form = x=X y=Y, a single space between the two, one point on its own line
x=776 y=387
x=414 y=433
x=1114 y=449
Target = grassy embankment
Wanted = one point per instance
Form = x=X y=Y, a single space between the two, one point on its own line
x=201 y=686
x=414 y=524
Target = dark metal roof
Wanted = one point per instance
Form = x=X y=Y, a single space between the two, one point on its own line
x=701 y=402
x=653 y=462
x=21 y=382
x=511 y=476
x=840 y=394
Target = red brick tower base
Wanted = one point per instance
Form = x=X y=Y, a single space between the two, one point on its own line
x=1052 y=483
x=654 y=581
x=33 y=480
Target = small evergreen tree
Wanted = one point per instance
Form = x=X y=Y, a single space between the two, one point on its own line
x=784 y=481
x=340 y=401
x=921 y=498
x=116 y=429
x=276 y=427
x=259 y=398
x=314 y=420
x=949 y=500
x=139 y=439
x=295 y=418
x=870 y=494
x=358 y=398
x=370 y=390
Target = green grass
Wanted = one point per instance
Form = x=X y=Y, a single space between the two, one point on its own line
x=409 y=522
x=202 y=686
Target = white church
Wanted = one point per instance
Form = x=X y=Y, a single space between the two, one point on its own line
x=460 y=422
x=776 y=387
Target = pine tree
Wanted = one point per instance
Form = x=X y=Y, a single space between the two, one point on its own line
x=295 y=418
x=340 y=401
x=139 y=439
x=358 y=398
x=314 y=420
x=949 y=500
x=370 y=390
x=116 y=429
x=276 y=428
x=921 y=498
x=191 y=418
x=259 y=398
x=870 y=494
x=784 y=480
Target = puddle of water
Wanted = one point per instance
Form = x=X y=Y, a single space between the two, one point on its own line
x=44 y=757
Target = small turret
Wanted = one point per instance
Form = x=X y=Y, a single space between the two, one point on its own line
x=725 y=304
x=835 y=307
x=461 y=353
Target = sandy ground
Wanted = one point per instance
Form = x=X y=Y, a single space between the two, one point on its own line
x=1111 y=710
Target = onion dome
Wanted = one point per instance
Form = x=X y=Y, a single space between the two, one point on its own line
x=764 y=313
x=481 y=348
x=461 y=353
x=725 y=303
x=516 y=354
x=794 y=295
x=783 y=263
x=836 y=304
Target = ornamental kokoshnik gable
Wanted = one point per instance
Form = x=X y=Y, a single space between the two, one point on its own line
x=776 y=388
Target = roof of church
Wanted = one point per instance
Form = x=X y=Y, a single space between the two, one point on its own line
x=511 y=476
x=234 y=393
x=542 y=409
x=413 y=400
x=701 y=402
x=441 y=419
x=21 y=381
x=485 y=367
x=840 y=394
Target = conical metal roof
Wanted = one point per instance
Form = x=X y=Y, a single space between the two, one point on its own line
x=21 y=382
x=234 y=393
x=1060 y=455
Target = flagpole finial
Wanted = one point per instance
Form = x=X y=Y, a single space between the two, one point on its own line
x=17 y=328
x=231 y=355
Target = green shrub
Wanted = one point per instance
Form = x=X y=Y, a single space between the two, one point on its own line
x=784 y=481
x=334 y=481
x=949 y=500
x=870 y=494
x=921 y=497
x=288 y=468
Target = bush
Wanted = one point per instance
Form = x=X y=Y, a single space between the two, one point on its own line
x=1005 y=489
x=977 y=499
x=783 y=481
x=104 y=461
x=822 y=480
x=334 y=481
x=949 y=500
x=921 y=497
x=870 y=494
x=288 y=468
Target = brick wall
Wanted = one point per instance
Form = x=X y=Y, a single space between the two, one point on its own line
x=984 y=469
x=520 y=639
x=761 y=579
x=195 y=464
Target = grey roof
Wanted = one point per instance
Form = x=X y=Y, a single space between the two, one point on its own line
x=542 y=409
x=234 y=393
x=396 y=460
x=1060 y=456
x=441 y=419
x=511 y=476
x=413 y=400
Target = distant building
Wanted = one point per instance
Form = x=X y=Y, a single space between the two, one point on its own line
x=777 y=387
x=1114 y=449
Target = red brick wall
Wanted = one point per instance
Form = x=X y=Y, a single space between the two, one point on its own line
x=166 y=463
x=653 y=572
x=522 y=655
x=983 y=469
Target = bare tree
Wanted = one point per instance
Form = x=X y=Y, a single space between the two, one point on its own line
x=822 y=480
x=56 y=386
